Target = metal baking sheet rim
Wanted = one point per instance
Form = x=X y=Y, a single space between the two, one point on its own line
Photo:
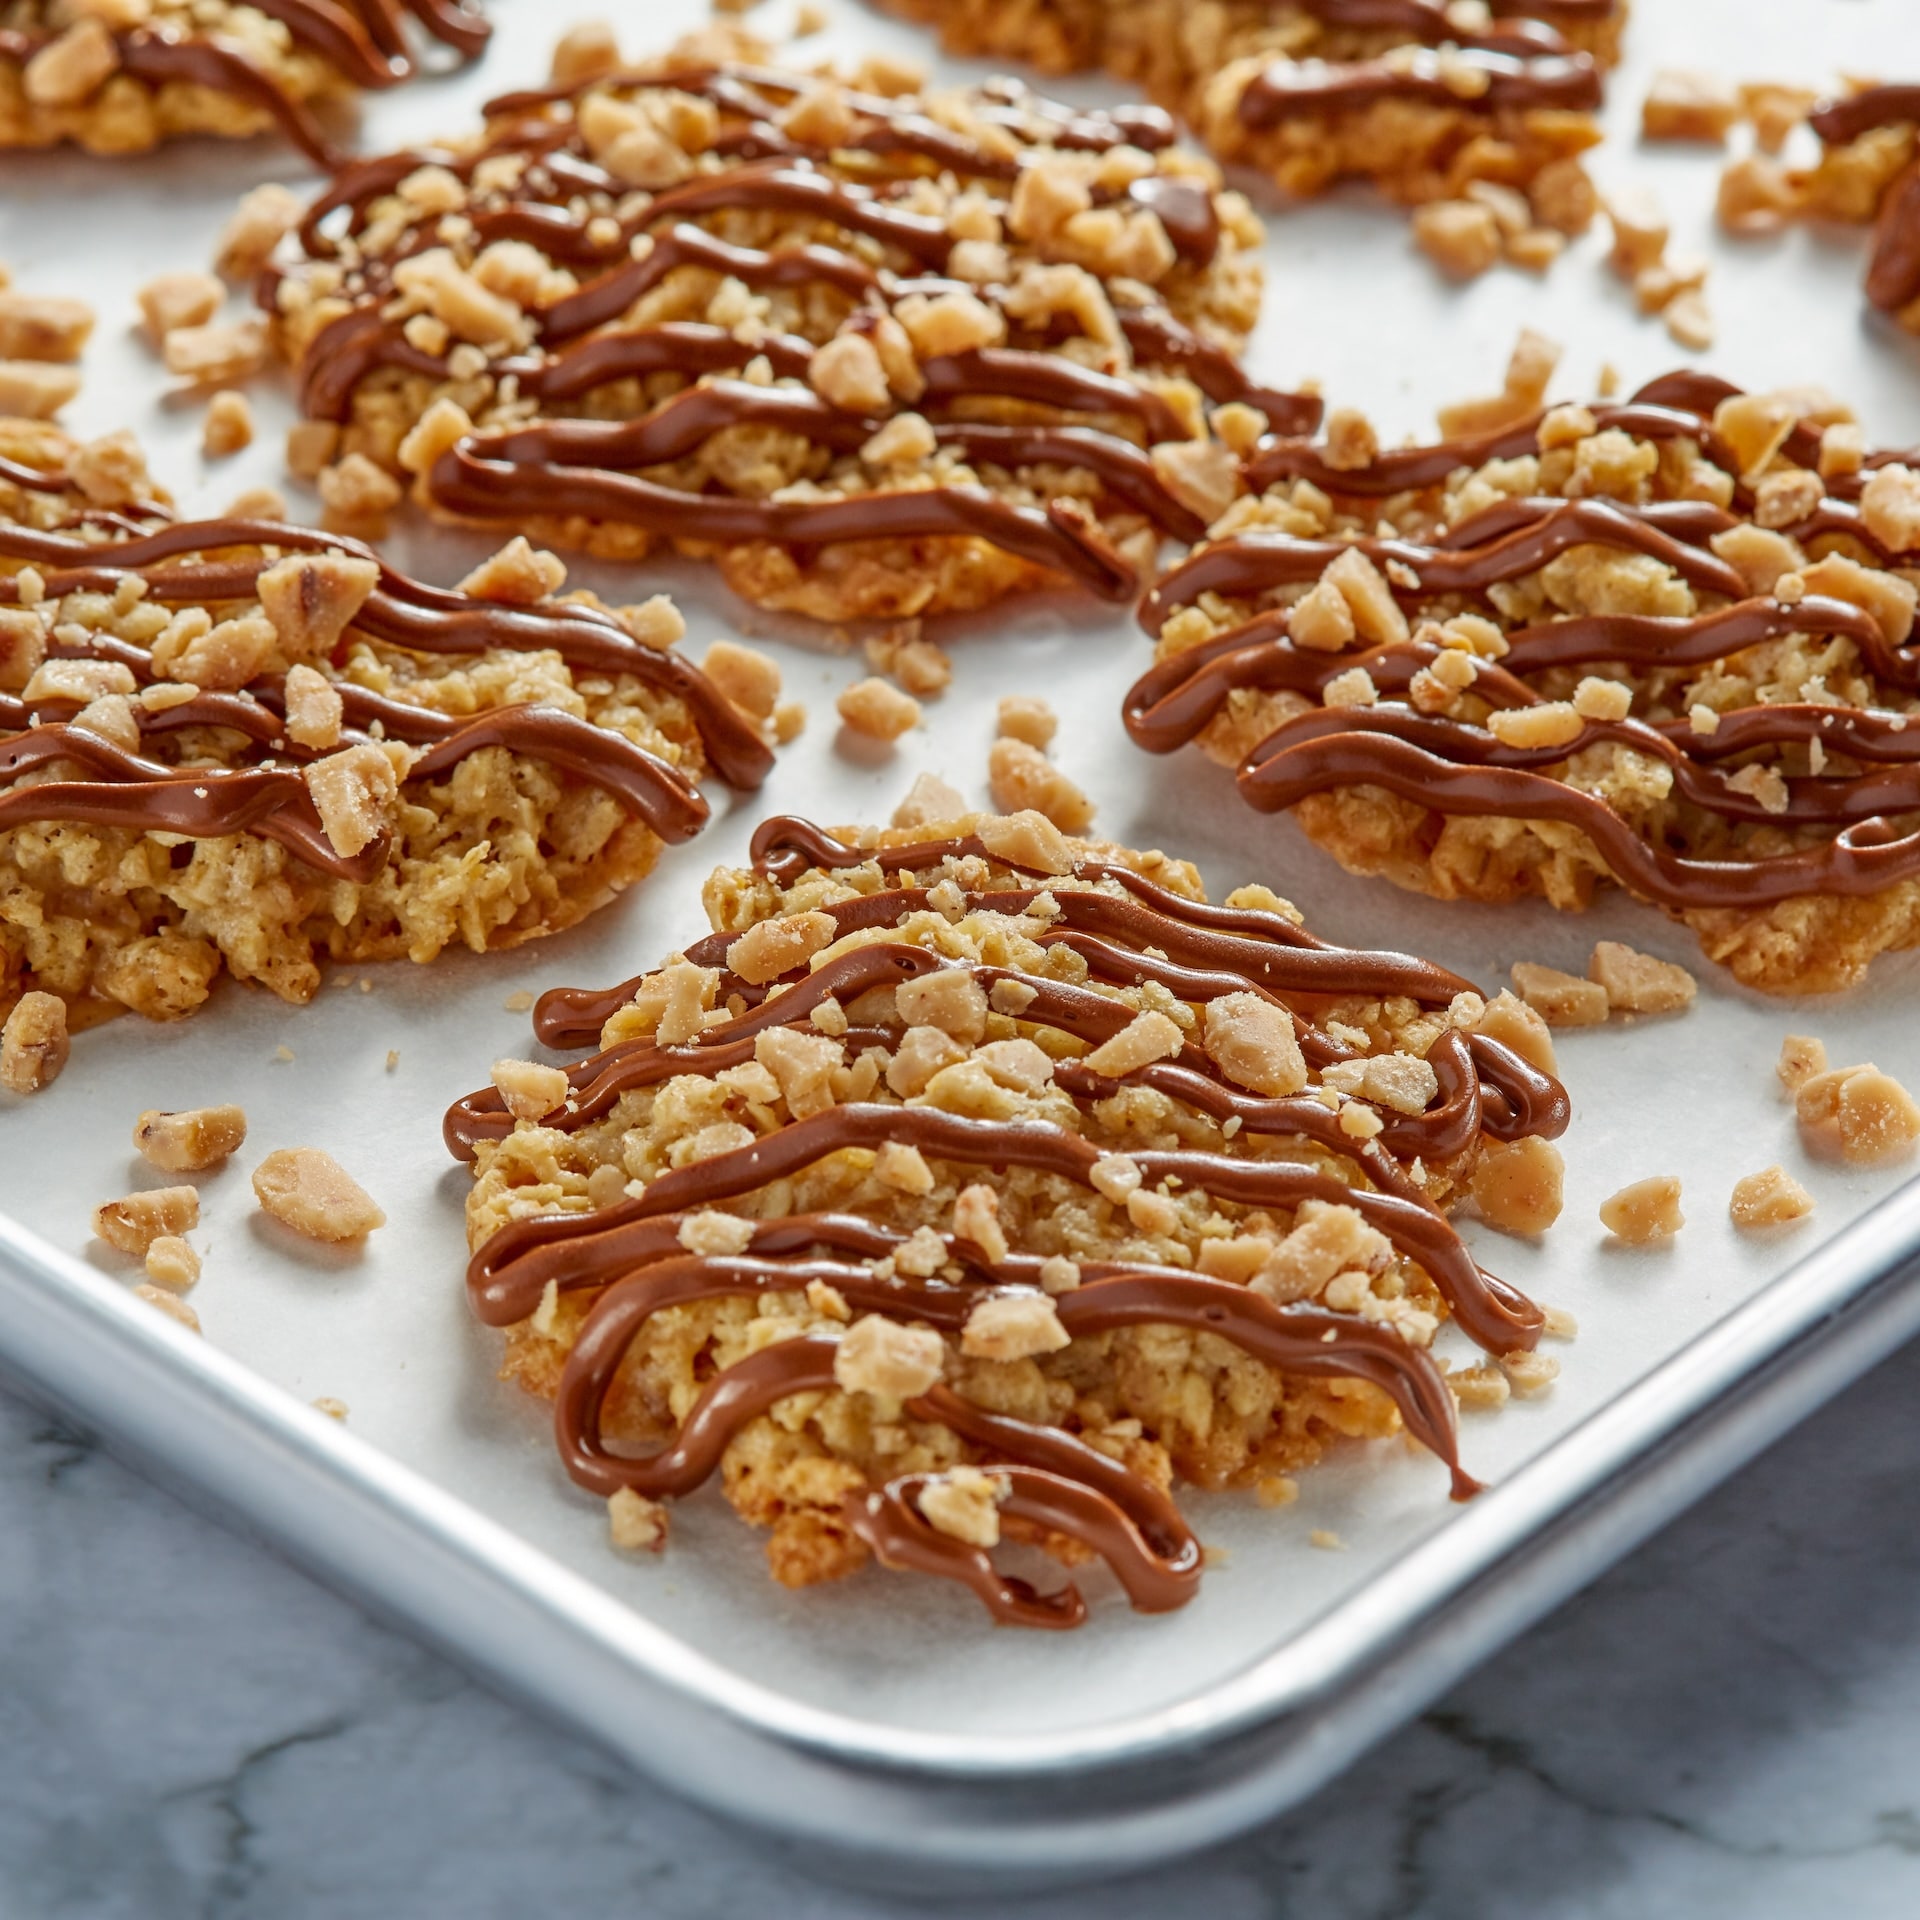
x=1001 y=1811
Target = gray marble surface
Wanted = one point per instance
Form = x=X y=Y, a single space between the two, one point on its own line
x=1728 y=1724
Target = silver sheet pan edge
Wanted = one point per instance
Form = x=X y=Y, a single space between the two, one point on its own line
x=924 y=1807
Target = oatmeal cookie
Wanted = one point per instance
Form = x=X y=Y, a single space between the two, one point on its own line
x=119 y=76
x=1661 y=643
x=970 y=1153
x=1424 y=100
x=875 y=353
x=245 y=745
x=1869 y=171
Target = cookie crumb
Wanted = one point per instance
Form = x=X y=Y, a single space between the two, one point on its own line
x=748 y=677
x=1638 y=983
x=134 y=1223
x=1685 y=105
x=877 y=710
x=34 y=1044
x=1801 y=1058
x=1646 y=1211
x=1326 y=1540
x=168 y=1303
x=1480 y=1388
x=1016 y=1325
x=309 y=1191
x=914 y=661
x=1461 y=237
x=1025 y=716
x=228 y=427
x=1560 y=999
x=171 y=1262
x=332 y=1408
x=1519 y=1186
x=1021 y=778
x=635 y=1524
x=964 y=1503
x=928 y=800
x=1770 y=1198
x=1529 y=1374
x=190 y=1139
x=224 y=350
x=517 y=1002
x=1690 y=321
x=877 y=1355
x=531 y=1091
x=170 y=301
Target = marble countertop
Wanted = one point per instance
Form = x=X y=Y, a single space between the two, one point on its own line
x=1728 y=1724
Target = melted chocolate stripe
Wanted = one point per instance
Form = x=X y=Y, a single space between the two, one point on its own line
x=1828 y=800
x=599 y=1081
x=1489 y=1311
x=1656 y=412
x=1861 y=859
x=405 y=612
x=682 y=424
x=1232 y=939
x=1309 y=1341
x=1060 y=538
x=1286 y=89
x=1258 y=562
x=128 y=791
x=1840 y=122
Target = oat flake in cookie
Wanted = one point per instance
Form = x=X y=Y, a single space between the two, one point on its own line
x=1425 y=100
x=120 y=76
x=240 y=744
x=876 y=351
x=970 y=1183
x=1664 y=643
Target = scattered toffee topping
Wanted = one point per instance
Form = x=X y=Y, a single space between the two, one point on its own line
x=1129 y=931
x=78 y=775
x=364 y=41
x=1456 y=767
x=873 y=251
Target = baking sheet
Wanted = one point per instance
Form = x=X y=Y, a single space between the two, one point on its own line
x=387 y=1330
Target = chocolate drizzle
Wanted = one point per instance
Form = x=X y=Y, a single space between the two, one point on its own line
x=135 y=791
x=1454 y=766
x=363 y=41
x=630 y=1258
x=1893 y=271
x=1503 y=82
x=872 y=251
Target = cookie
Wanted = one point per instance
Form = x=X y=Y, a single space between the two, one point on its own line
x=1661 y=644
x=236 y=744
x=1869 y=171
x=972 y=1182
x=1410 y=95
x=875 y=351
x=119 y=78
